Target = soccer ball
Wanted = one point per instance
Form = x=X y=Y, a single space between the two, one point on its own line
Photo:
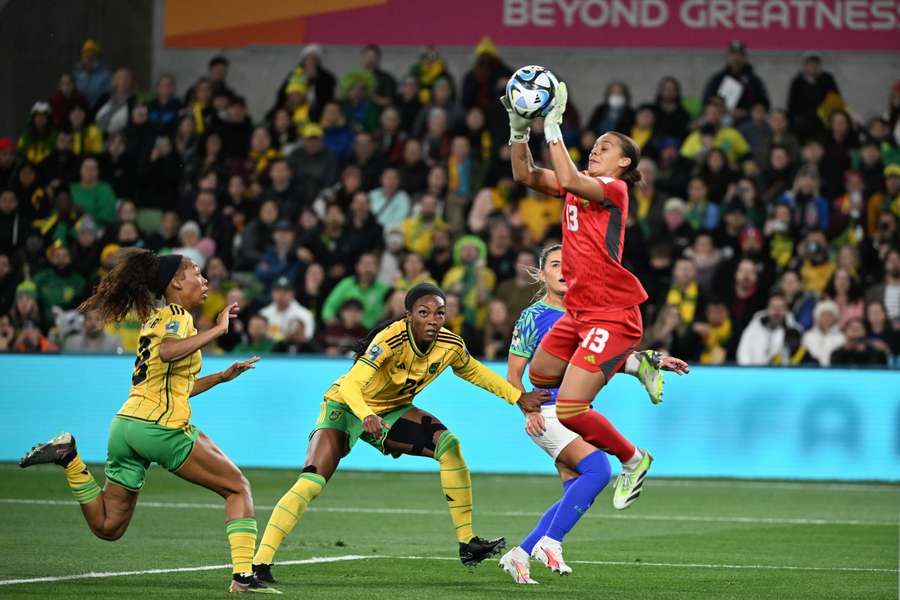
x=531 y=91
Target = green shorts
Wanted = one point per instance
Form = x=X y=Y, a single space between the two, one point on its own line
x=133 y=445
x=335 y=415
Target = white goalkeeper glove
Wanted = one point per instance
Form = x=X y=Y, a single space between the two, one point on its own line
x=519 y=126
x=553 y=120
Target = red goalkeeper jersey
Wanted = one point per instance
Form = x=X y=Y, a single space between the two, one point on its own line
x=593 y=237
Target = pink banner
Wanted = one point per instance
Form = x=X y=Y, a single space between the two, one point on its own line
x=761 y=24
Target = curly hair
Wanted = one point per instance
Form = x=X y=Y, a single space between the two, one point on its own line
x=131 y=285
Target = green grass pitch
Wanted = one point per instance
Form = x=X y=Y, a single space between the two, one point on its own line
x=682 y=540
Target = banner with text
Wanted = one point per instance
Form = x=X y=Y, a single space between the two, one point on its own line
x=761 y=24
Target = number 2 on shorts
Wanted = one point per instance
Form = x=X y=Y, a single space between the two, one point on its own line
x=596 y=339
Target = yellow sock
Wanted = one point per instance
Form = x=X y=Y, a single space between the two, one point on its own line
x=81 y=482
x=286 y=514
x=457 y=484
x=242 y=539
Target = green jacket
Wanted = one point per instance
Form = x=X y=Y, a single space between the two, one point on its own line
x=58 y=290
x=372 y=299
x=261 y=347
x=98 y=201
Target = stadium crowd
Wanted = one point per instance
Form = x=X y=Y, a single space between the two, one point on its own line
x=763 y=235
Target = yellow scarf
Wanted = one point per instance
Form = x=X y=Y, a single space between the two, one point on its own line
x=641 y=136
x=715 y=342
x=685 y=301
x=644 y=201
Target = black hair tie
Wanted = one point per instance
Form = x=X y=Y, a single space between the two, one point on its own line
x=422 y=289
x=168 y=266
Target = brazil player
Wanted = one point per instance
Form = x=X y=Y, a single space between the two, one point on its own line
x=373 y=402
x=154 y=424
x=602 y=324
x=583 y=468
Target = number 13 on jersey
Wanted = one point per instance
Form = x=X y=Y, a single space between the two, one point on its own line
x=572 y=217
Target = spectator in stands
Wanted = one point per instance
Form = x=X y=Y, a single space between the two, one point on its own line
x=669 y=334
x=419 y=229
x=9 y=279
x=763 y=339
x=310 y=290
x=408 y=103
x=501 y=253
x=858 y=350
x=713 y=133
x=262 y=154
x=675 y=227
x=297 y=341
x=778 y=174
x=64 y=99
x=328 y=244
x=810 y=208
x=189 y=237
x=480 y=82
x=737 y=83
x=118 y=166
x=825 y=336
x=282 y=188
x=93 y=340
x=93 y=196
x=314 y=165
x=888 y=292
x=714 y=333
x=321 y=81
x=165 y=107
x=671 y=117
x=13 y=225
x=31 y=339
x=842 y=141
x=441 y=259
x=362 y=230
x=497 y=331
x=341 y=336
x=234 y=130
x=8 y=161
x=413 y=272
x=357 y=88
x=39 y=138
x=427 y=71
x=113 y=109
x=213 y=225
x=385 y=84
x=807 y=93
x=280 y=260
x=7 y=334
x=844 y=290
x=872 y=169
x=800 y=302
x=284 y=133
x=215 y=81
x=256 y=341
x=362 y=286
x=86 y=137
x=615 y=113
x=702 y=214
x=370 y=164
x=779 y=235
x=746 y=296
x=685 y=292
x=519 y=291
x=413 y=169
x=442 y=99
x=338 y=137
x=673 y=170
x=390 y=204
x=848 y=214
x=757 y=130
x=285 y=309
x=880 y=331
x=59 y=285
x=91 y=77
x=470 y=278
x=61 y=167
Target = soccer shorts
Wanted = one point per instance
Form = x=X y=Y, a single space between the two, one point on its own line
x=133 y=445
x=556 y=436
x=593 y=343
x=335 y=415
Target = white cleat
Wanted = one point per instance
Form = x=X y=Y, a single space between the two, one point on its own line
x=517 y=564
x=549 y=552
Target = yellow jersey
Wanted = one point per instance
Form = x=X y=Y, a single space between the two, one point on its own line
x=393 y=370
x=160 y=390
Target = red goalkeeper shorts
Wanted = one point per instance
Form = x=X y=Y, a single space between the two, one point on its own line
x=595 y=343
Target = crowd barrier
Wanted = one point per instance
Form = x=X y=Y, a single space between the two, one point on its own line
x=714 y=422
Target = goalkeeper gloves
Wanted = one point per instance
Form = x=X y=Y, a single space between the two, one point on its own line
x=519 y=126
x=553 y=120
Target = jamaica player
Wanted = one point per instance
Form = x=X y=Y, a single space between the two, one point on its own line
x=373 y=401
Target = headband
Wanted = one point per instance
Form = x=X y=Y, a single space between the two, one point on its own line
x=168 y=266
x=423 y=289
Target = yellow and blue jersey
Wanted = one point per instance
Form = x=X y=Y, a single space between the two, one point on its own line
x=531 y=327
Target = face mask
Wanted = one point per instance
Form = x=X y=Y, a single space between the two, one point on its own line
x=616 y=101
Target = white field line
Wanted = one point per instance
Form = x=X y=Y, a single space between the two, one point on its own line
x=349 y=557
x=530 y=514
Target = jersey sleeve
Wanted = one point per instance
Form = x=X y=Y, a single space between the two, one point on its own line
x=525 y=336
x=361 y=373
x=474 y=372
x=175 y=322
x=615 y=191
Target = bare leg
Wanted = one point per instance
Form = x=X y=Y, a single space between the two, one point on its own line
x=208 y=466
x=109 y=514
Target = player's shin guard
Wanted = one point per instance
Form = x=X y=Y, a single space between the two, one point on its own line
x=81 y=482
x=286 y=514
x=594 y=473
x=456 y=483
x=242 y=539
x=594 y=428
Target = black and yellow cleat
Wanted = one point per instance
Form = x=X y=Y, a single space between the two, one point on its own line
x=60 y=450
x=263 y=572
x=479 y=549
x=249 y=583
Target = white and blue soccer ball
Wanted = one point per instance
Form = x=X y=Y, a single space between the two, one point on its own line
x=531 y=91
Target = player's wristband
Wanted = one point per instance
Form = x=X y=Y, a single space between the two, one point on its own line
x=552 y=133
x=519 y=137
